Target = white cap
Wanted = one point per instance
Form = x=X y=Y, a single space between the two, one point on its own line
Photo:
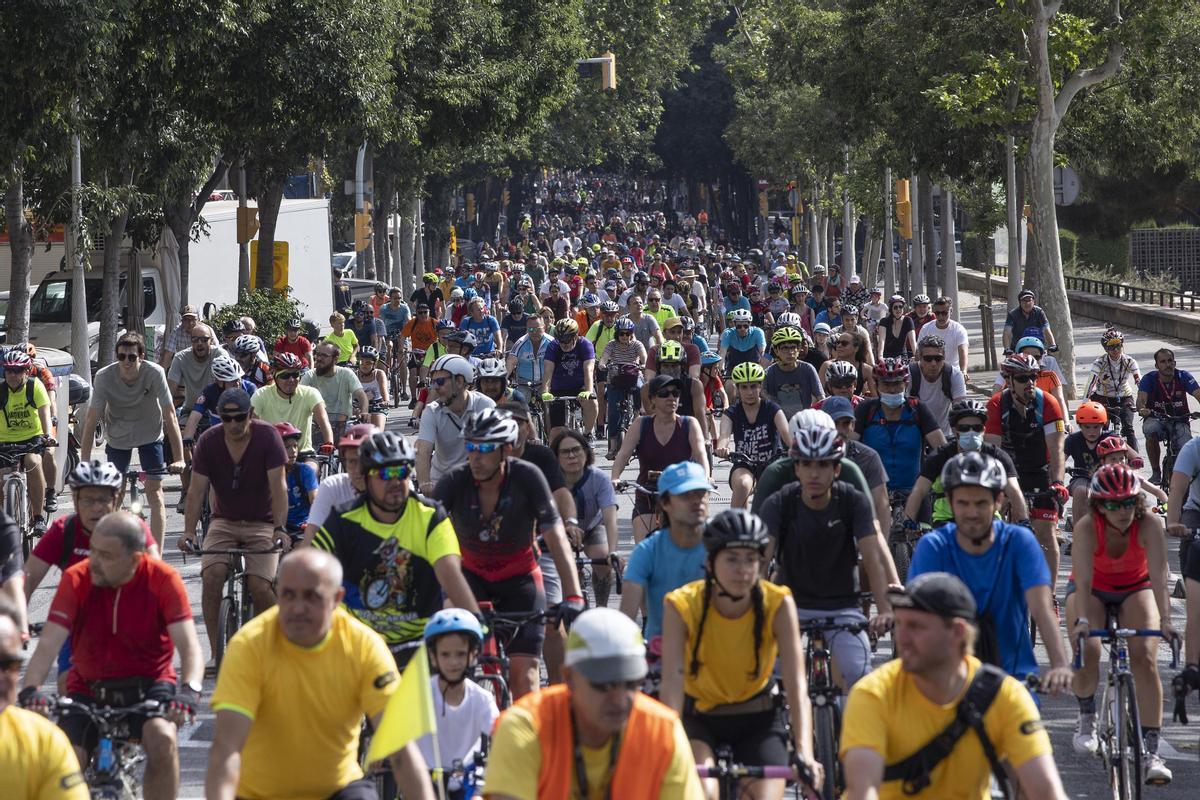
x=855 y=279
x=606 y=646
x=456 y=292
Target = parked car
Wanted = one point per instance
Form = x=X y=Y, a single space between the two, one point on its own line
x=344 y=263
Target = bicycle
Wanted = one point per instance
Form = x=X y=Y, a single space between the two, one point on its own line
x=236 y=608
x=493 y=662
x=16 y=488
x=1118 y=726
x=729 y=773
x=532 y=392
x=1171 y=451
x=327 y=464
x=901 y=541
x=585 y=567
x=824 y=693
x=656 y=515
x=112 y=772
x=574 y=413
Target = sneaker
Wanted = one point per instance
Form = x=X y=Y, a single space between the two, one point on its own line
x=181 y=506
x=1156 y=771
x=39 y=526
x=51 y=504
x=1156 y=478
x=412 y=404
x=1085 y=735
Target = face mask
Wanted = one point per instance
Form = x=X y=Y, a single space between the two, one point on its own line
x=971 y=440
x=892 y=400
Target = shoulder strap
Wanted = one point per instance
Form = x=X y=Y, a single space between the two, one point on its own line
x=914 y=380
x=915 y=770
x=29 y=392
x=947 y=371
x=70 y=531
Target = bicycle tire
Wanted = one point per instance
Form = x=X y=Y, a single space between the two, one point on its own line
x=499 y=688
x=1128 y=732
x=16 y=504
x=227 y=627
x=825 y=740
x=902 y=556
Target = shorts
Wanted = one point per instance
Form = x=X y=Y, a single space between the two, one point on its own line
x=1180 y=430
x=558 y=411
x=551 y=583
x=150 y=456
x=361 y=789
x=601 y=374
x=518 y=594
x=1108 y=598
x=755 y=468
x=1189 y=552
x=596 y=536
x=1078 y=483
x=229 y=534
x=1043 y=508
x=644 y=504
x=757 y=739
x=83 y=732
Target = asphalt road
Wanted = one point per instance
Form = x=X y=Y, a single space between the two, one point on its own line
x=1081 y=775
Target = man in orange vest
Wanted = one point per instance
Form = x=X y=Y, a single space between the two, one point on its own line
x=596 y=735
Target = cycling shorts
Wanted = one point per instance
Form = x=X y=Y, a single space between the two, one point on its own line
x=1189 y=552
x=518 y=594
x=550 y=581
x=1044 y=507
x=755 y=468
x=83 y=732
x=758 y=738
x=1108 y=598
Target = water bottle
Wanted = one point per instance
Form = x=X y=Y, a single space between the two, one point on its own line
x=104 y=759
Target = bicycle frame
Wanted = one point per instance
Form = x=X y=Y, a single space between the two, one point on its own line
x=824 y=693
x=236 y=608
x=493 y=659
x=111 y=771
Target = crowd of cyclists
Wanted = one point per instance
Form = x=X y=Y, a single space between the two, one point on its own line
x=872 y=494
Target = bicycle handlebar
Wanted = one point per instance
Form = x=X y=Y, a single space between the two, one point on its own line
x=100 y=714
x=624 y=486
x=197 y=551
x=1110 y=635
x=743 y=771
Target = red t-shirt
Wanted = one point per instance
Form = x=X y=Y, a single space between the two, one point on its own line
x=120 y=632
x=250 y=500
x=50 y=547
x=301 y=349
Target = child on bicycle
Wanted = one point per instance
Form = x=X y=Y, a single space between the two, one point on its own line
x=1080 y=448
x=466 y=712
x=301 y=481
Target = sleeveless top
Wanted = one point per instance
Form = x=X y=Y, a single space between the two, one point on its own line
x=1126 y=572
x=655 y=457
x=756 y=441
x=371 y=387
x=893 y=346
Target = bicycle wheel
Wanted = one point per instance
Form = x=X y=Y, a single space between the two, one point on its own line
x=1127 y=769
x=227 y=626
x=825 y=735
x=902 y=555
x=17 y=507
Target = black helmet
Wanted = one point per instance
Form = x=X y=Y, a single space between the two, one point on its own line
x=973 y=469
x=385 y=449
x=735 y=527
x=968 y=408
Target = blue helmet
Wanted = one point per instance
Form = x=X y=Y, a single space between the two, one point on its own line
x=624 y=324
x=1031 y=341
x=469 y=294
x=444 y=324
x=709 y=358
x=453 y=620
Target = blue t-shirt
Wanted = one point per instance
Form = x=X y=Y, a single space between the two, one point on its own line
x=484 y=331
x=659 y=566
x=394 y=319
x=1168 y=397
x=568 y=366
x=300 y=481
x=592 y=495
x=754 y=339
x=206 y=403
x=530 y=359
x=998 y=579
x=730 y=305
x=1188 y=463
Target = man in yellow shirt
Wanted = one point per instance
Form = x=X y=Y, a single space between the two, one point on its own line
x=899 y=708
x=36 y=759
x=297 y=680
x=559 y=742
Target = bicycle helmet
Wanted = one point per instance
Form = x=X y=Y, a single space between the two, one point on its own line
x=295 y=324
x=444 y=325
x=609 y=307
x=921 y=299
x=492 y=368
x=741 y=315
x=791 y=319
x=810 y=418
x=515 y=306
x=786 y=335
x=565 y=329
x=226 y=369
x=641 y=277
x=624 y=325
x=891 y=369
x=15 y=358
x=1111 y=337
x=817 y=444
x=490 y=425
x=288 y=431
x=455 y=365
x=973 y=469
x=245 y=345
x=850 y=310
x=1091 y=413
x=1030 y=341
x=968 y=408
x=96 y=473
x=689 y=324
x=464 y=338
x=1114 y=482
x=355 y=434
x=453 y=620
x=285 y=362
x=897 y=298
x=818 y=269
x=748 y=372
x=429 y=277
x=234 y=325
x=1112 y=444
x=589 y=300
x=368 y=352
x=709 y=358
x=735 y=527
x=670 y=353
x=384 y=449
x=470 y=294
x=456 y=293
x=1019 y=364
x=841 y=371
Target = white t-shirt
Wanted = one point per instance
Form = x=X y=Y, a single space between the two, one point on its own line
x=933 y=398
x=331 y=492
x=954 y=334
x=563 y=288
x=459 y=727
x=676 y=302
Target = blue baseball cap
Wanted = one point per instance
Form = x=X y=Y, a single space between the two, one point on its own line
x=838 y=408
x=686 y=476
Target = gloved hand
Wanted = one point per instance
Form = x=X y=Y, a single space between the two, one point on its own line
x=1061 y=491
x=39 y=702
x=547 y=397
x=570 y=608
x=586 y=395
x=180 y=711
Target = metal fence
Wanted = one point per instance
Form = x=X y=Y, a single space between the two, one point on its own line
x=1184 y=301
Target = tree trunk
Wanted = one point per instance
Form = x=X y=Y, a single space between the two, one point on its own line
x=270 y=197
x=1013 y=208
x=181 y=213
x=889 y=270
x=929 y=237
x=381 y=212
x=867 y=269
x=20 y=245
x=437 y=219
x=949 y=255
x=111 y=299
x=916 y=262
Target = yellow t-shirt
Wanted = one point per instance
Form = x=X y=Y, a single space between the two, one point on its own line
x=306 y=704
x=516 y=759
x=36 y=759
x=346 y=343
x=664 y=313
x=726 y=647
x=20 y=420
x=888 y=714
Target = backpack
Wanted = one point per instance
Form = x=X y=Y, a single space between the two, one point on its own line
x=70 y=531
x=4 y=397
x=915 y=770
x=915 y=378
x=296 y=478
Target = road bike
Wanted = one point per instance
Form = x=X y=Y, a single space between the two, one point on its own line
x=824 y=695
x=493 y=663
x=1118 y=726
x=114 y=768
x=236 y=608
x=728 y=774
x=16 y=488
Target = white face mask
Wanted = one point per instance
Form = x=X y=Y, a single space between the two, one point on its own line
x=892 y=400
x=970 y=440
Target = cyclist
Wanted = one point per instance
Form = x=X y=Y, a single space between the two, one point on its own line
x=341 y=487
x=841 y=380
x=596 y=730
x=422 y=333
x=498 y=506
x=301 y=481
x=1026 y=319
x=374 y=384
x=741 y=342
x=343 y=339
x=492 y=380
x=718 y=657
x=440 y=445
x=1119 y=559
x=921 y=314
x=670 y=361
x=1115 y=450
x=1115 y=381
x=227 y=374
x=759 y=431
x=967 y=421
x=286 y=400
x=293 y=342
x=1028 y=424
x=673 y=331
x=428 y=295
x=1162 y=402
x=896 y=426
x=131 y=396
x=600 y=333
x=309 y=648
x=820 y=527
x=646 y=328
x=395 y=314
x=569 y=372
x=895 y=714
x=934 y=382
x=25 y=416
x=125 y=614
x=1080 y=447
x=594 y=524
x=953 y=335
x=789 y=382
x=516 y=322
x=526 y=359
x=895 y=335
x=338 y=385
x=246 y=350
x=622 y=362
x=848 y=347
x=484 y=327
x=180 y=337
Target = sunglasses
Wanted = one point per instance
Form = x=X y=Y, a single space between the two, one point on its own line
x=932 y=359
x=199 y=339
x=397 y=472
x=235 y=417
x=969 y=428
x=1118 y=505
x=1114 y=346
x=845 y=383
x=742 y=327
x=941 y=312
x=1023 y=378
x=237 y=475
x=127 y=357
x=441 y=381
x=625 y=333
x=482 y=447
x=287 y=376
x=668 y=393
x=608 y=686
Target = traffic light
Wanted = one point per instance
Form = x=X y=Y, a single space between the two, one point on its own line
x=247 y=223
x=470 y=206
x=904 y=214
x=362 y=231
x=608 y=72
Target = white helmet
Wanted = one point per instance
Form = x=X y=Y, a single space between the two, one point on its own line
x=455 y=365
x=817 y=444
x=742 y=315
x=492 y=368
x=225 y=368
x=810 y=418
x=789 y=318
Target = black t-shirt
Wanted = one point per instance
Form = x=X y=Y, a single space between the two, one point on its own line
x=817 y=548
x=1083 y=456
x=1023 y=326
x=514 y=328
x=815 y=357
x=869 y=462
x=429 y=298
x=544 y=459
x=934 y=463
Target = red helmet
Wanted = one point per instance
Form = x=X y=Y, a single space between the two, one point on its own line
x=17 y=358
x=354 y=435
x=287 y=430
x=1114 y=482
x=891 y=369
x=285 y=362
x=1112 y=444
x=1091 y=413
x=1019 y=364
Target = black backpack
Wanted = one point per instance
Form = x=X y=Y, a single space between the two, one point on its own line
x=915 y=378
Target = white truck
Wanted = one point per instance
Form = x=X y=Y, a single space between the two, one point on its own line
x=303 y=229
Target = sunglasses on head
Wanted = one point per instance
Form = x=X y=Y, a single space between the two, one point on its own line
x=127 y=357
x=240 y=417
x=396 y=472
x=1118 y=505
x=481 y=447
x=969 y=428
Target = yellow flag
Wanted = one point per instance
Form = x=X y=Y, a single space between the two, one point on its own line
x=409 y=713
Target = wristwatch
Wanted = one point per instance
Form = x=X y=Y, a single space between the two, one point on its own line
x=195 y=687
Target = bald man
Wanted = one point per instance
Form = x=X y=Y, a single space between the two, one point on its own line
x=326 y=670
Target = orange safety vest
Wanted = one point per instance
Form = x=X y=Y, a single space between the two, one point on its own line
x=646 y=749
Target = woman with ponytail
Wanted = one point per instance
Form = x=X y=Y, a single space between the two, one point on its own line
x=721 y=638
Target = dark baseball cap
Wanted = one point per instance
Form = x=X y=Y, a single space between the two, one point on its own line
x=660 y=382
x=1025 y=293
x=237 y=397
x=937 y=593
